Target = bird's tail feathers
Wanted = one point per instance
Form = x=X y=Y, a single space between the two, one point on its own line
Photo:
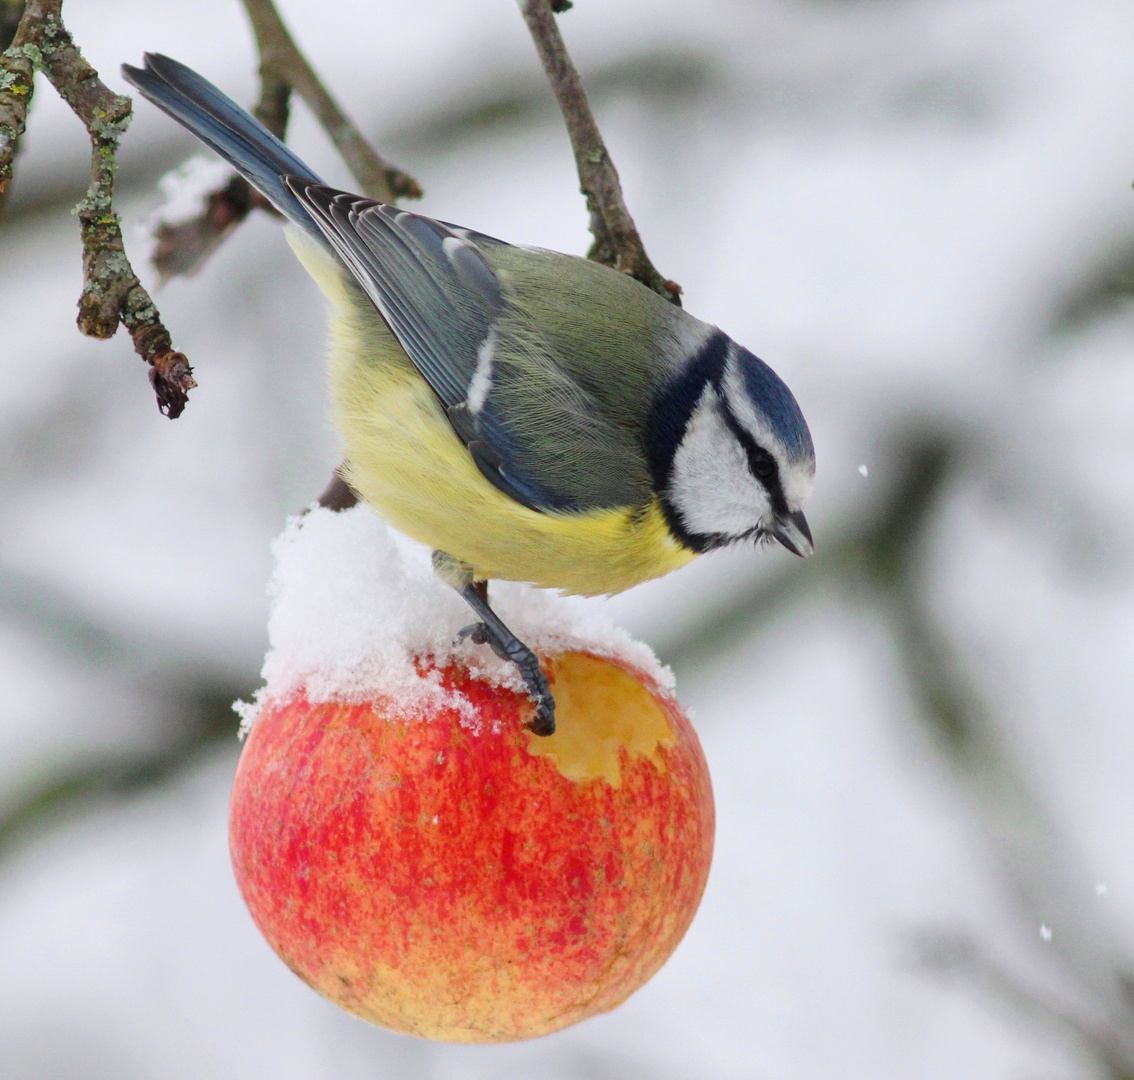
x=239 y=138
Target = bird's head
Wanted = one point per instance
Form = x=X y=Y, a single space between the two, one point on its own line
x=733 y=453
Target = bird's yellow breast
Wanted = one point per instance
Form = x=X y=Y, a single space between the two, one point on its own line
x=404 y=458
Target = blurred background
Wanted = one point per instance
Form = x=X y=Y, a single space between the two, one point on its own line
x=920 y=213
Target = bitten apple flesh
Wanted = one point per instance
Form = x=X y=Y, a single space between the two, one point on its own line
x=476 y=883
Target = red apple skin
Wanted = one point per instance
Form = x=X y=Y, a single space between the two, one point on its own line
x=476 y=887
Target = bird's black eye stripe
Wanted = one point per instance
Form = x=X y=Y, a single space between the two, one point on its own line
x=761 y=463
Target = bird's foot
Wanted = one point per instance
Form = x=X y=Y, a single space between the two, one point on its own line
x=491 y=631
x=509 y=647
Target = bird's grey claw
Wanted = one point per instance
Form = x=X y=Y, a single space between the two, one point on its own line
x=543 y=723
x=492 y=632
x=516 y=652
x=479 y=634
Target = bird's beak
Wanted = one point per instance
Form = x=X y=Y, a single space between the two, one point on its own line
x=793 y=533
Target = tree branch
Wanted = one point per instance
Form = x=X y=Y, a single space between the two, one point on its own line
x=1106 y=1039
x=11 y=12
x=183 y=247
x=111 y=292
x=280 y=59
x=617 y=242
x=17 y=71
x=338 y=494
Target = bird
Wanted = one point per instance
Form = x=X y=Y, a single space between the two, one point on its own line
x=529 y=415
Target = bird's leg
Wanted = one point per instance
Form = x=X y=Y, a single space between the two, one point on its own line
x=491 y=631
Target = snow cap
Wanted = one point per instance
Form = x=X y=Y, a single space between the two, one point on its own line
x=354 y=605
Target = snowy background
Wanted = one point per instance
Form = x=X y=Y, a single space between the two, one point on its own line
x=920 y=213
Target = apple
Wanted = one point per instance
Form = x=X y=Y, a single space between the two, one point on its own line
x=456 y=877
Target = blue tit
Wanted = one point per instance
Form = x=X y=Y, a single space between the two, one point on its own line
x=529 y=415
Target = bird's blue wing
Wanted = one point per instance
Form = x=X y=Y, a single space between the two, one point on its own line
x=434 y=290
x=531 y=429
x=529 y=425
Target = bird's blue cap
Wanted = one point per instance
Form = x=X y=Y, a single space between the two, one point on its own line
x=777 y=403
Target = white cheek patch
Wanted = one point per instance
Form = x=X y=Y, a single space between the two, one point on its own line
x=710 y=485
x=795 y=478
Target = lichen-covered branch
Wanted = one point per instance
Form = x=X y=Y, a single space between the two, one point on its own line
x=17 y=70
x=111 y=292
x=617 y=242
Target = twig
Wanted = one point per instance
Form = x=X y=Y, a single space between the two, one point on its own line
x=274 y=107
x=281 y=60
x=617 y=242
x=182 y=248
x=282 y=65
x=17 y=70
x=111 y=292
x=949 y=952
x=11 y=12
x=338 y=494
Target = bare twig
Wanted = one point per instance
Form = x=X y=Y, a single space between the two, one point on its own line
x=949 y=952
x=338 y=495
x=111 y=292
x=617 y=242
x=282 y=65
x=281 y=60
x=183 y=247
x=274 y=107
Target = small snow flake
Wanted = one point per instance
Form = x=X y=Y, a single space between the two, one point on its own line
x=436 y=819
x=863 y=471
x=1101 y=889
x=1045 y=932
